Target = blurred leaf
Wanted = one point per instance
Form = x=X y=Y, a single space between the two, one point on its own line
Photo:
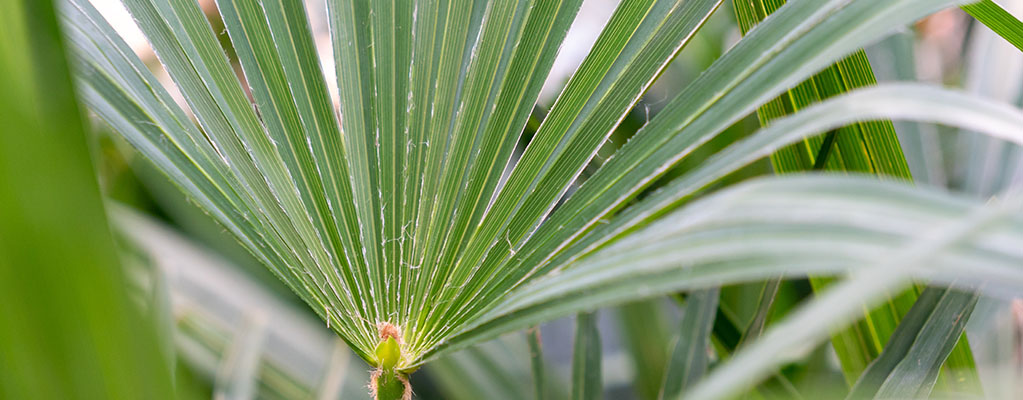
x=689 y=358
x=222 y=315
x=498 y=369
x=68 y=329
x=768 y=291
x=493 y=370
x=870 y=147
x=888 y=270
x=586 y=359
x=994 y=69
x=644 y=332
x=893 y=59
x=536 y=361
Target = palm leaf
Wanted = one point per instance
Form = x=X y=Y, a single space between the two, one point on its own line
x=891 y=271
x=870 y=147
x=410 y=222
x=575 y=287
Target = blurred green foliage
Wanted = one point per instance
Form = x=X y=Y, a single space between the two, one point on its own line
x=68 y=329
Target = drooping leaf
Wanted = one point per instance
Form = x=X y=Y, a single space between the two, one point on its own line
x=834 y=308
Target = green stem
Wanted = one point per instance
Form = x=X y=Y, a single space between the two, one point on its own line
x=391 y=385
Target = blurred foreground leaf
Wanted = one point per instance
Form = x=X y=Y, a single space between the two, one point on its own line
x=68 y=329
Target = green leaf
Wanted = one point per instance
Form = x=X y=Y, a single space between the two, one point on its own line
x=645 y=336
x=574 y=288
x=781 y=52
x=871 y=147
x=689 y=359
x=863 y=147
x=69 y=329
x=586 y=359
x=912 y=358
x=836 y=307
x=413 y=209
x=995 y=17
x=609 y=82
x=768 y=291
x=536 y=361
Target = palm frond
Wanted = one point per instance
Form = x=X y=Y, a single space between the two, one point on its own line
x=406 y=215
x=574 y=285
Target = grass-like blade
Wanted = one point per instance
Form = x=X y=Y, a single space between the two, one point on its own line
x=689 y=359
x=645 y=334
x=1002 y=22
x=536 y=361
x=586 y=359
x=909 y=364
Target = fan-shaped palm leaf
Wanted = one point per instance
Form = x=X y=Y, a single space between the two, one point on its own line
x=403 y=218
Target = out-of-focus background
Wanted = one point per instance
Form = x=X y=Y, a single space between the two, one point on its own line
x=239 y=333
